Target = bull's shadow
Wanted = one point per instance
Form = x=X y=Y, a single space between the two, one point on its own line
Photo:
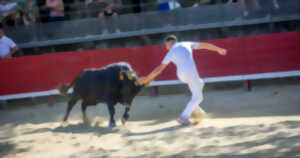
x=84 y=128
x=77 y=129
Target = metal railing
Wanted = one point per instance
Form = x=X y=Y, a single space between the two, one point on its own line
x=207 y=16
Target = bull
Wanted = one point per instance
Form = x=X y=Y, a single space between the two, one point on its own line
x=115 y=83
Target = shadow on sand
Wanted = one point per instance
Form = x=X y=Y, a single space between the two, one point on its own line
x=279 y=144
x=78 y=129
x=9 y=148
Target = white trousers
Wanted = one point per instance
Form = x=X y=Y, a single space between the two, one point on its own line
x=196 y=85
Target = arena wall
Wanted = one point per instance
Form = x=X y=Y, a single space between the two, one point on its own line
x=252 y=57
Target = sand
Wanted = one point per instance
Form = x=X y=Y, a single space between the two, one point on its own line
x=264 y=123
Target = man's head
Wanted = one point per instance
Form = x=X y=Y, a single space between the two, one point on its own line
x=169 y=41
x=1 y=30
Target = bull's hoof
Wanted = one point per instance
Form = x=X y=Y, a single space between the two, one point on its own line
x=112 y=124
x=123 y=120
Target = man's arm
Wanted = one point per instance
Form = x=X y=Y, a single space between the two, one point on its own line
x=153 y=74
x=208 y=46
x=12 y=52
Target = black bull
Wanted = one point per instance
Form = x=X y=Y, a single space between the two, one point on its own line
x=115 y=83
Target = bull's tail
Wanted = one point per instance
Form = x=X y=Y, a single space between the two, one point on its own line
x=63 y=88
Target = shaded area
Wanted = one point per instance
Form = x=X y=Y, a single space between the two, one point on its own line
x=268 y=98
x=7 y=148
x=79 y=128
x=163 y=130
x=277 y=145
x=237 y=128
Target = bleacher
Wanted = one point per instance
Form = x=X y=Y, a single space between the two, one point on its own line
x=84 y=26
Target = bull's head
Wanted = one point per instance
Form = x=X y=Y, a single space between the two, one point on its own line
x=130 y=86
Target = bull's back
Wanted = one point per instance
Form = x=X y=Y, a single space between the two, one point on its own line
x=98 y=84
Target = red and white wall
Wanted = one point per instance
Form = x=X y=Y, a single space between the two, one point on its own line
x=253 y=57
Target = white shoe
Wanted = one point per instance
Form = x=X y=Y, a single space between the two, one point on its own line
x=183 y=121
x=118 y=31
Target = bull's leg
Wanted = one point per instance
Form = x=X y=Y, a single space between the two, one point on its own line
x=111 y=109
x=125 y=115
x=83 y=110
x=71 y=103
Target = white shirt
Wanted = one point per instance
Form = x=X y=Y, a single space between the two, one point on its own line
x=7 y=7
x=181 y=54
x=6 y=44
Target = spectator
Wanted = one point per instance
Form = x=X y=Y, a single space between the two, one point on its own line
x=9 y=14
x=7 y=49
x=87 y=2
x=43 y=11
x=244 y=8
x=275 y=4
x=167 y=5
x=29 y=11
x=118 y=7
x=108 y=14
x=243 y=5
x=7 y=46
x=197 y=3
x=256 y=5
x=164 y=6
x=56 y=10
x=136 y=6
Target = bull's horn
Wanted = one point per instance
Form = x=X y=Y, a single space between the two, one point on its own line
x=130 y=75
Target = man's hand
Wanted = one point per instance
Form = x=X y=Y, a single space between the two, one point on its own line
x=222 y=51
x=144 y=81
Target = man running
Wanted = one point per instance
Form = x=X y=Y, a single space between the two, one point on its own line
x=180 y=53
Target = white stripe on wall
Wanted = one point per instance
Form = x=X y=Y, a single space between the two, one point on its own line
x=169 y=82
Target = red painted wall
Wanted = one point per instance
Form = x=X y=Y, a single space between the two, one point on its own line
x=246 y=55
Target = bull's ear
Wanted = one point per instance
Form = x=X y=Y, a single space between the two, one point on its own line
x=121 y=76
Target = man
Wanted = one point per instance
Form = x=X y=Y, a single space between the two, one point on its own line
x=29 y=11
x=7 y=46
x=9 y=14
x=106 y=15
x=57 y=10
x=180 y=53
x=7 y=49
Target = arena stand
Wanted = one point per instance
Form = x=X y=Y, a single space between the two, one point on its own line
x=150 y=23
x=253 y=57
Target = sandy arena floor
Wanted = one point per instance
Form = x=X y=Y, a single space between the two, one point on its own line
x=264 y=123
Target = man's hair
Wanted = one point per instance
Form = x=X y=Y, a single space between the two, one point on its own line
x=170 y=38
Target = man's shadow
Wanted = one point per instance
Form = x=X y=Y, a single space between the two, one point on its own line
x=162 y=130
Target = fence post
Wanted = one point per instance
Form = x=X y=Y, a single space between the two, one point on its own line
x=248 y=85
x=51 y=100
x=154 y=91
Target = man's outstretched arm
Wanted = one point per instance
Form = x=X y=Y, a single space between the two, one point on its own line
x=208 y=46
x=153 y=74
